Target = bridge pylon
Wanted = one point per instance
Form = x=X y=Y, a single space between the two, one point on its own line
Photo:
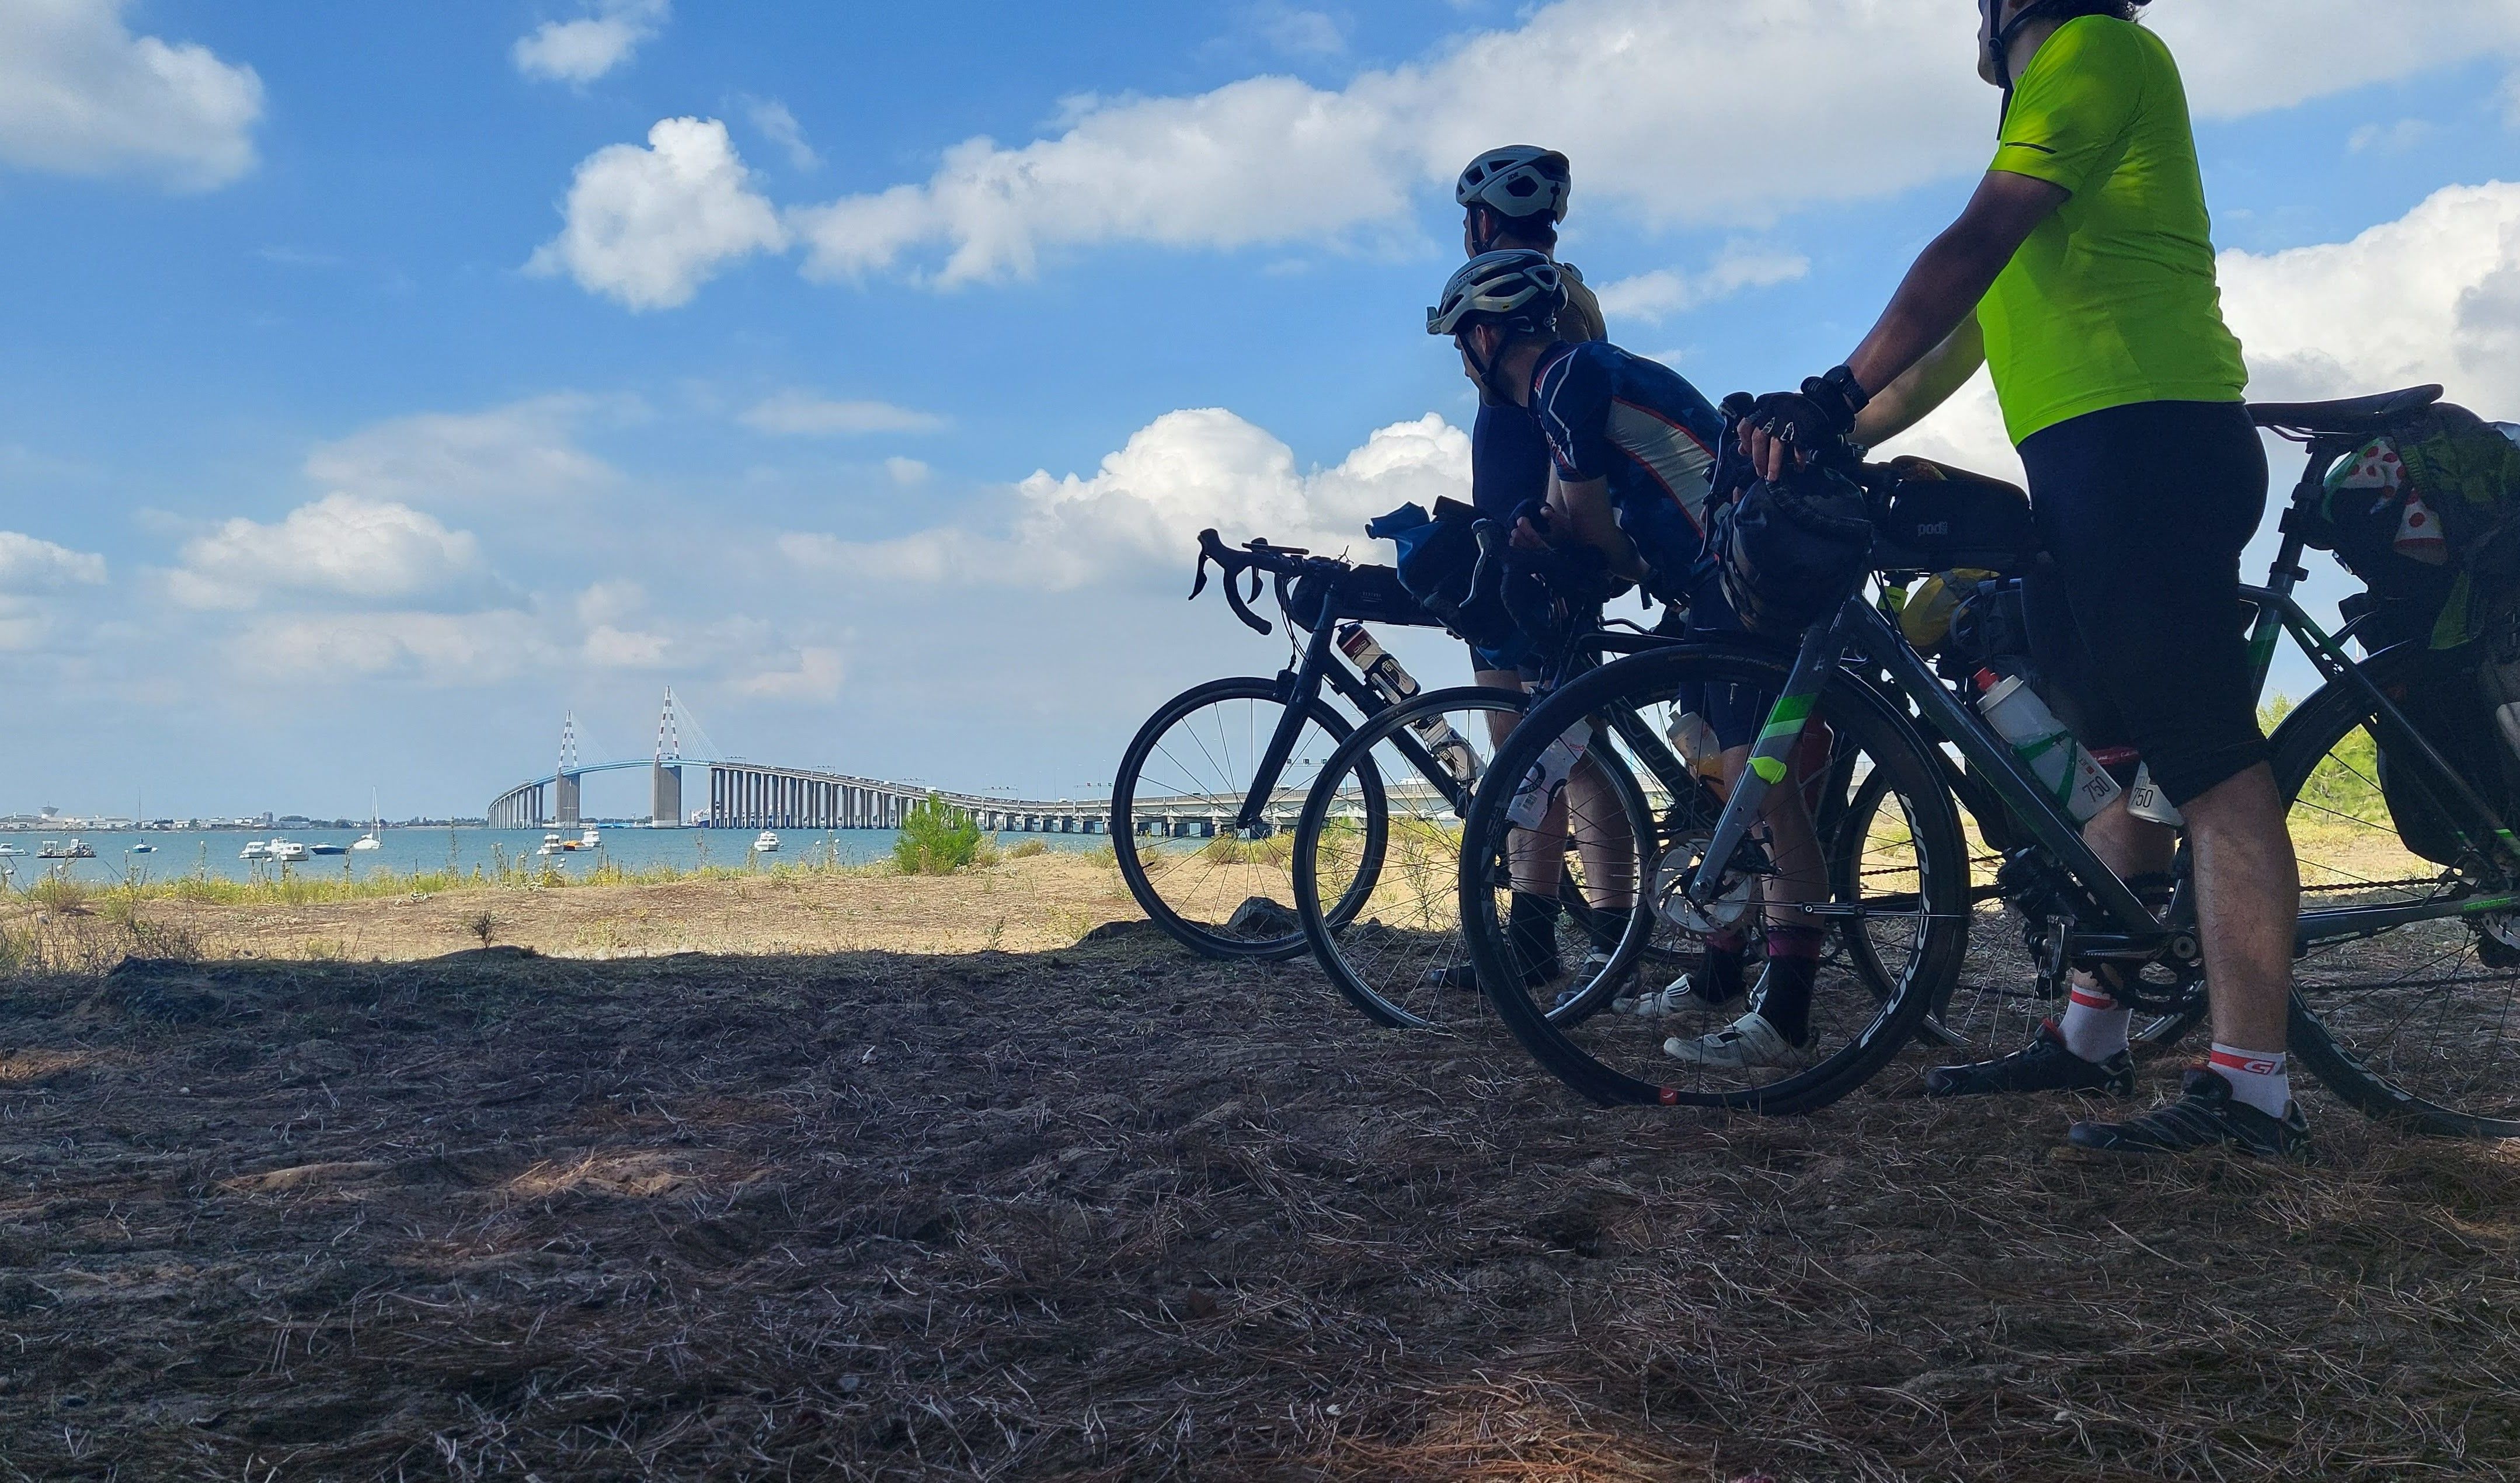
x=665 y=777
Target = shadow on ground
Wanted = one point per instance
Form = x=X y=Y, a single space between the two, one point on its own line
x=1110 y=1212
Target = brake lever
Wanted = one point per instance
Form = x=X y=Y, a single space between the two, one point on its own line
x=1242 y=610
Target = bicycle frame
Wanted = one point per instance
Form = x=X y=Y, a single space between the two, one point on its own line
x=1860 y=627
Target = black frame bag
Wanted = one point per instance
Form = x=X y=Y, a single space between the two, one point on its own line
x=1938 y=517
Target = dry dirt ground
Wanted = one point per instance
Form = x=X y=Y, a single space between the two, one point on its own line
x=892 y=1178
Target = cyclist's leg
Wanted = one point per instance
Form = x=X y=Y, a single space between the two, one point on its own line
x=2148 y=507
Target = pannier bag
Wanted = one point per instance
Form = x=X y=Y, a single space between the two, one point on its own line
x=2425 y=517
x=1938 y=517
x=1793 y=549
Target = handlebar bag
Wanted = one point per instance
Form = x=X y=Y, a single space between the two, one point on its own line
x=1793 y=549
x=1365 y=594
x=1438 y=555
x=1940 y=517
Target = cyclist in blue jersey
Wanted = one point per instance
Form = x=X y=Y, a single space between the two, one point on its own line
x=1632 y=446
x=1514 y=197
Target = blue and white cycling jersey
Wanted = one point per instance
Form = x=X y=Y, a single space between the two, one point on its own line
x=1639 y=424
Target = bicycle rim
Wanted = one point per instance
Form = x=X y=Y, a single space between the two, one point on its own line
x=1218 y=891
x=1620 y=1059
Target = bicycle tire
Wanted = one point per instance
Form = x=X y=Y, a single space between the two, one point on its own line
x=1331 y=931
x=1176 y=915
x=2359 y=1066
x=1856 y=712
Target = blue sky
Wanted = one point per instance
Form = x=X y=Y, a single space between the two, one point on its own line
x=380 y=383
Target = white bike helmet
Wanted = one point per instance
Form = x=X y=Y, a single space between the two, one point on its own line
x=1520 y=181
x=1514 y=288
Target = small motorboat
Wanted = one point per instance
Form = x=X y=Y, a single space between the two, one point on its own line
x=287 y=852
x=75 y=849
x=765 y=843
x=552 y=844
x=588 y=839
x=10 y=849
x=255 y=849
x=140 y=849
x=328 y=849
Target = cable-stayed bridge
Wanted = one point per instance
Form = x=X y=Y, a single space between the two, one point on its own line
x=755 y=795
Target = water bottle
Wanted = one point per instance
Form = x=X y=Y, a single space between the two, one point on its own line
x=2077 y=783
x=1380 y=670
x=1547 y=778
x=2146 y=800
x=1384 y=674
x=1693 y=739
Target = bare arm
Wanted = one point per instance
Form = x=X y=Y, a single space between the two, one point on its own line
x=1580 y=514
x=1941 y=290
x=1953 y=273
x=1926 y=386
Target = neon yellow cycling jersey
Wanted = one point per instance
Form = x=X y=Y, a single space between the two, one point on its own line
x=2112 y=300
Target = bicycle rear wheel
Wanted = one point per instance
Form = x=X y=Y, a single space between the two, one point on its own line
x=1219 y=890
x=1910 y=902
x=2419 y=1024
x=1391 y=941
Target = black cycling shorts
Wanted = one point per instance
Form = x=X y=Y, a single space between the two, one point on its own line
x=2144 y=509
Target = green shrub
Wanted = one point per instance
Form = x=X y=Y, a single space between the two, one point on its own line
x=1025 y=849
x=937 y=839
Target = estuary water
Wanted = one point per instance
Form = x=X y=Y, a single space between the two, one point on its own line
x=404 y=851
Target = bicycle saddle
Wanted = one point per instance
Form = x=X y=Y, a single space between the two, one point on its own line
x=2353 y=417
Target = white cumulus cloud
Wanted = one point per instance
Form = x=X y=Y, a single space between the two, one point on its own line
x=802 y=414
x=29 y=564
x=648 y=226
x=2432 y=296
x=340 y=546
x=1144 y=506
x=435 y=649
x=81 y=95
x=1665 y=292
x=1656 y=103
x=523 y=452
x=582 y=50
x=817 y=676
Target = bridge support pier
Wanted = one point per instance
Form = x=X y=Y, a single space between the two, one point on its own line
x=566 y=809
x=665 y=796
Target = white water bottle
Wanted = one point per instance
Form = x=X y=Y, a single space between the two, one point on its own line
x=1396 y=684
x=1546 y=779
x=1696 y=744
x=2062 y=765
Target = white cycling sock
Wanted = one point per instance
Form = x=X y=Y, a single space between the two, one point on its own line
x=2094 y=1026
x=2257 y=1077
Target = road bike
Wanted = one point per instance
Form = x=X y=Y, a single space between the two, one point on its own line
x=2408 y=973
x=1396 y=951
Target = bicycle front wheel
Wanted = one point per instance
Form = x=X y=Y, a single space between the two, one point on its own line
x=2418 y=1024
x=1908 y=901
x=1220 y=888
x=1382 y=915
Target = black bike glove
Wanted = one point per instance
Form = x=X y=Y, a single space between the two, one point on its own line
x=1815 y=418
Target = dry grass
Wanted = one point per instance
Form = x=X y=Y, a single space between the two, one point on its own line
x=1102 y=1211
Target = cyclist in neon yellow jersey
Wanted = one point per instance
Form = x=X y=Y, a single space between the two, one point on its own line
x=2082 y=274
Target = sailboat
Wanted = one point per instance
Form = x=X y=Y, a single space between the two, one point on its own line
x=376 y=826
